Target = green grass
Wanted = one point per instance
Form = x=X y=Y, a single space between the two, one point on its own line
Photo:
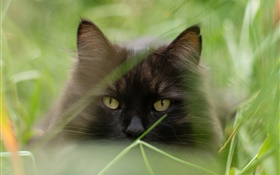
x=240 y=44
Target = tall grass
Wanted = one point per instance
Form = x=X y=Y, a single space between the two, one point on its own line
x=240 y=44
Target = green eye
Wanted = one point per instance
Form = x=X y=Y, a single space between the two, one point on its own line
x=162 y=105
x=110 y=102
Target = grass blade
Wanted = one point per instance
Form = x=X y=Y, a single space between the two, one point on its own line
x=149 y=168
x=152 y=127
x=127 y=149
x=22 y=154
x=118 y=157
x=176 y=159
x=9 y=139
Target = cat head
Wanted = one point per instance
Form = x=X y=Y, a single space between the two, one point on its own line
x=133 y=89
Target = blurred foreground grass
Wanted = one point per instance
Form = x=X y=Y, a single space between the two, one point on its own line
x=240 y=44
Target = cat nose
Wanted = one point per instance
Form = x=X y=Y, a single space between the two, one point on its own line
x=135 y=128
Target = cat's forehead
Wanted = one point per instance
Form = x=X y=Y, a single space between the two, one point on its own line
x=153 y=75
x=152 y=66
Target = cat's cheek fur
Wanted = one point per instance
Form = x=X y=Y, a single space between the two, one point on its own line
x=106 y=125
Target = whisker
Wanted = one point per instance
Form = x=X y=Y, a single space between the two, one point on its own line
x=76 y=132
x=87 y=116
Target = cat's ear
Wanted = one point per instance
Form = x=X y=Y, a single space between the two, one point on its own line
x=187 y=46
x=91 y=42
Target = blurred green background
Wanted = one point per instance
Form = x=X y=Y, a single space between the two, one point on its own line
x=240 y=45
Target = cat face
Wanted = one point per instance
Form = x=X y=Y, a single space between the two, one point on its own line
x=141 y=86
x=139 y=98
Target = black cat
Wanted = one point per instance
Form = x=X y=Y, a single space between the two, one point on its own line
x=116 y=93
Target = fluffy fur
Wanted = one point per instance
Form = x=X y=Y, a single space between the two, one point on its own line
x=137 y=79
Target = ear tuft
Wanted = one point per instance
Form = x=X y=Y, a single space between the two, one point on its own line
x=86 y=21
x=187 y=46
x=91 y=42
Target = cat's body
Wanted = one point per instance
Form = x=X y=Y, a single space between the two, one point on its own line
x=118 y=93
